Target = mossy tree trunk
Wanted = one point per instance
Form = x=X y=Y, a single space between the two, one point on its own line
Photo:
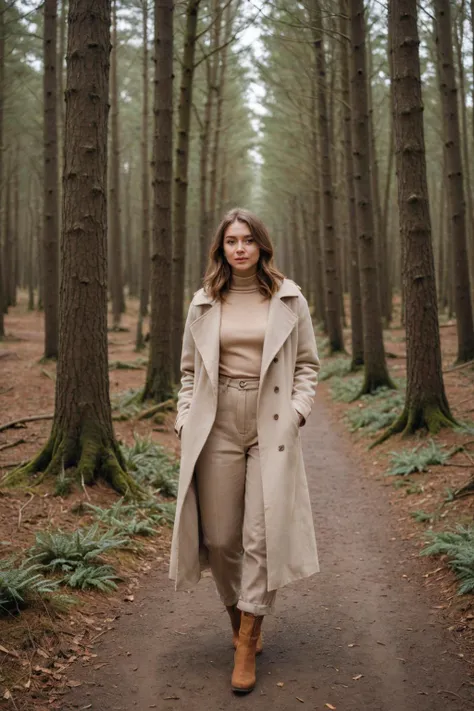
x=375 y=367
x=159 y=380
x=82 y=435
x=426 y=404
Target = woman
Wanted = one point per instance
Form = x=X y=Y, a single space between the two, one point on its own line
x=249 y=371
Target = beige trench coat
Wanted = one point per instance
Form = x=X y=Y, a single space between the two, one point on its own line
x=288 y=380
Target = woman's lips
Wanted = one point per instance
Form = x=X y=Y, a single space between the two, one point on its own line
x=241 y=259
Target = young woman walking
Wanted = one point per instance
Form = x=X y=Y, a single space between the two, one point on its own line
x=249 y=371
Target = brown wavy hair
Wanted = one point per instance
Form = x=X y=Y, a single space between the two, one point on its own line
x=218 y=277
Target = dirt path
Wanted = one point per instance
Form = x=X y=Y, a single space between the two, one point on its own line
x=360 y=636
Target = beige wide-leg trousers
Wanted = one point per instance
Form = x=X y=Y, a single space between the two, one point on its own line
x=230 y=495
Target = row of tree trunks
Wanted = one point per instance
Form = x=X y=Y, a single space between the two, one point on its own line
x=331 y=281
x=181 y=182
x=82 y=434
x=375 y=367
x=115 y=223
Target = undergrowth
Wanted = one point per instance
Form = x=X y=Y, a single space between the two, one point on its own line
x=336 y=367
x=408 y=461
x=152 y=466
x=21 y=585
x=458 y=546
x=376 y=411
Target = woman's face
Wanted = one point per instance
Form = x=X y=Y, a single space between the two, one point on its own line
x=240 y=248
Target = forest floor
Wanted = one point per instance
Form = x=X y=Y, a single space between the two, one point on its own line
x=380 y=628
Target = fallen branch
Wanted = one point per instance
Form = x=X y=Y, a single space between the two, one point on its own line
x=33 y=418
x=465 y=490
x=459 y=367
x=12 y=444
x=24 y=507
x=151 y=410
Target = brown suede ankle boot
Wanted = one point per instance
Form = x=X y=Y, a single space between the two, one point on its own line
x=234 y=614
x=244 y=676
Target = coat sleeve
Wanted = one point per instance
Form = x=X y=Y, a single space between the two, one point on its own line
x=305 y=377
x=185 y=393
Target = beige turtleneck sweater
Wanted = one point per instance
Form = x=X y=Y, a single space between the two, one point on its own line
x=243 y=322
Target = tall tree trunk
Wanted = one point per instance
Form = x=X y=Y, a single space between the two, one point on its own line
x=181 y=182
x=17 y=243
x=375 y=367
x=8 y=237
x=82 y=434
x=115 y=234
x=457 y=211
x=317 y=276
x=2 y=155
x=60 y=95
x=204 y=215
x=218 y=79
x=458 y=38
x=355 y=296
x=426 y=405
x=145 y=241
x=159 y=379
x=332 y=281
x=50 y=185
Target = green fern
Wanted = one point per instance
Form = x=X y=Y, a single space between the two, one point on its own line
x=421 y=516
x=346 y=389
x=337 y=367
x=408 y=461
x=67 y=551
x=152 y=466
x=458 y=546
x=19 y=585
x=101 y=577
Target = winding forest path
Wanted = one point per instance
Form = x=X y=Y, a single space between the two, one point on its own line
x=357 y=637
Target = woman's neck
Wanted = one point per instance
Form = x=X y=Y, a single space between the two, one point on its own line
x=246 y=281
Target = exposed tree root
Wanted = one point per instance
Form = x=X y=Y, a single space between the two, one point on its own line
x=92 y=457
x=430 y=417
x=372 y=383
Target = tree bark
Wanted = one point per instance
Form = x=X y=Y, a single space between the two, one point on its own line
x=159 y=380
x=2 y=154
x=115 y=235
x=317 y=276
x=375 y=367
x=50 y=185
x=457 y=210
x=181 y=182
x=426 y=405
x=8 y=238
x=332 y=281
x=82 y=435
x=357 y=334
x=205 y=136
x=145 y=241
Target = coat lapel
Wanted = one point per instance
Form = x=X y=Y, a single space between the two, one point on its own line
x=206 y=330
x=281 y=321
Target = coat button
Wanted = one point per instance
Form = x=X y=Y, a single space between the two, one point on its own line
x=276 y=389
x=275 y=360
x=281 y=447
x=275 y=417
